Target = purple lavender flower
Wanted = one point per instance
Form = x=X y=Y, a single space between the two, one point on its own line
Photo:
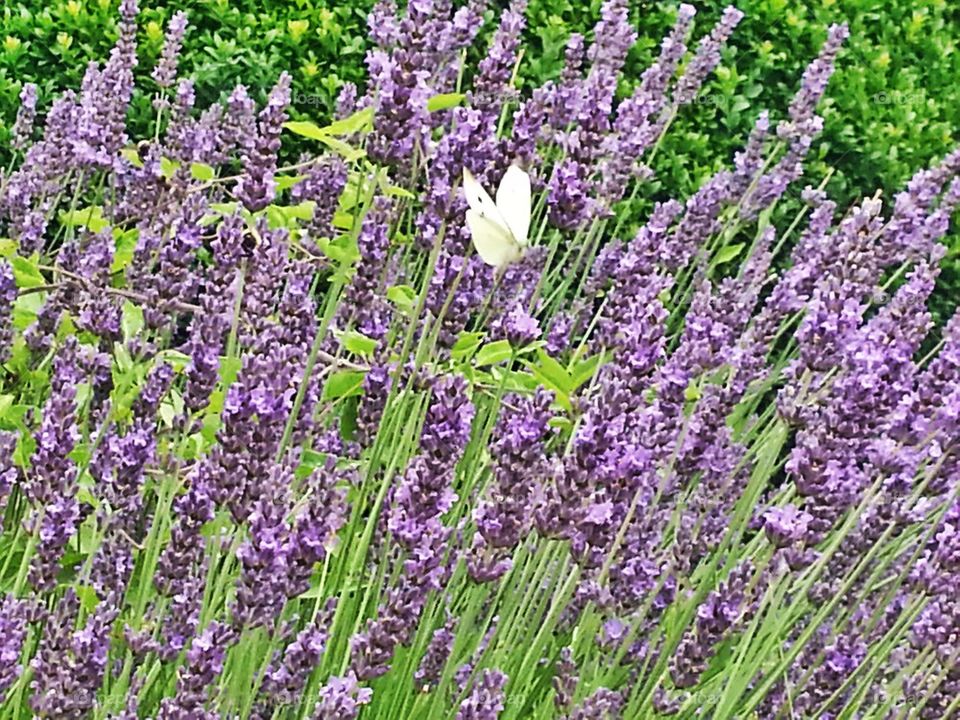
x=364 y=305
x=565 y=680
x=26 y=116
x=346 y=101
x=814 y=83
x=165 y=71
x=286 y=678
x=520 y=327
x=204 y=663
x=436 y=655
x=640 y=118
x=51 y=483
x=69 y=665
x=322 y=512
x=256 y=188
x=785 y=526
x=603 y=704
x=183 y=555
x=8 y=295
x=707 y=56
x=376 y=390
x=325 y=181
x=570 y=204
x=262 y=586
x=240 y=120
x=425 y=492
x=209 y=328
x=341 y=699
x=505 y=516
x=8 y=471
x=424 y=570
x=840 y=661
x=99 y=312
x=105 y=97
x=496 y=69
x=13 y=631
x=715 y=617
x=383 y=24
x=486 y=698
x=400 y=111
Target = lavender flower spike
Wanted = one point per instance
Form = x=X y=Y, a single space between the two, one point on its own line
x=707 y=57
x=26 y=116
x=8 y=295
x=341 y=699
x=485 y=701
x=13 y=630
x=165 y=72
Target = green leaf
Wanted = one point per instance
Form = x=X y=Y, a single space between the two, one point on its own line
x=125 y=245
x=287 y=216
x=26 y=308
x=342 y=249
x=202 y=172
x=305 y=128
x=301 y=211
x=285 y=182
x=326 y=136
x=561 y=423
x=6 y=402
x=168 y=167
x=80 y=453
x=229 y=369
x=494 y=352
x=25 y=448
x=131 y=155
x=346 y=151
x=403 y=296
x=391 y=190
x=466 y=343
x=444 y=101
x=179 y=360
x=131 y=320
x=343 y=383
x=358 y=343
x=167 y=414
x=227 y=208
x=87 y=597
x=343 y=220
x=8 y=247
x=554 y=373
x=728 y=253
x=358 y=122
x=692 y=392
x=585 y=370
x=26 y=274
x=122 y=357
x=90 y=217
x=210 y=425
x=275 y=217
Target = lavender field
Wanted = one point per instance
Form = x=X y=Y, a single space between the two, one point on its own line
x=446 y=408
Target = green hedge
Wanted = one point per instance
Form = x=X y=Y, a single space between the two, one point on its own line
x=893 y=105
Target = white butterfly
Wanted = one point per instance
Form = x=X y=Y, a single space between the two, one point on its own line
x=499 y=229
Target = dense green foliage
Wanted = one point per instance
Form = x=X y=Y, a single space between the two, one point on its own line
x=893 y=105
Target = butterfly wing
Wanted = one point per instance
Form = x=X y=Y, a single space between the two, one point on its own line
x=494 y=242
x=478 y=199
x=513 y=202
